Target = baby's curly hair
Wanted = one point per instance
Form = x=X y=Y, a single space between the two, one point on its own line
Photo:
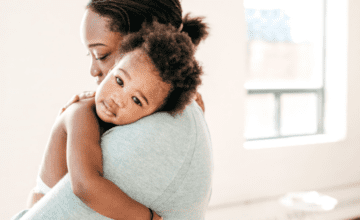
x=172 y=53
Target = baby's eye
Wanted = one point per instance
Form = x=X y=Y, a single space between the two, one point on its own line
x=137 y=101
x=119 y=81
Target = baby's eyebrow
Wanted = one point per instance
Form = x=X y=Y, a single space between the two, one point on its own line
x=125 y=73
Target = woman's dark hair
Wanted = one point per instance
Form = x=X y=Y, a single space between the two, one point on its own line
x=127 y=16
x=172 y=53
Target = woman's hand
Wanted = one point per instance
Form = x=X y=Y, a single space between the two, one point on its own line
x=199 y=101
x=76 y=98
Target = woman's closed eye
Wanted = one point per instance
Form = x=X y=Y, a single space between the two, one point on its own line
x=99 y=58
x=103 y=57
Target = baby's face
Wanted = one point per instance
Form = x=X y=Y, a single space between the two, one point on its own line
x=132 y=90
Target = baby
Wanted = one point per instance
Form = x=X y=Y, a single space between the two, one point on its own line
x=157 y=72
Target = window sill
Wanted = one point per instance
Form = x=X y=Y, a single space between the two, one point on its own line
x=292 y=141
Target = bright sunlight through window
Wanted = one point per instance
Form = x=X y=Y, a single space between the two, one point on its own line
x=285 y=68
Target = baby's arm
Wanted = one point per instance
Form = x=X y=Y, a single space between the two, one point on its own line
x=84 y=160
x=53 y=165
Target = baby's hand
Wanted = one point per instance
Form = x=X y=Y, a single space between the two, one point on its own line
x=76 y=98
x=156 y=216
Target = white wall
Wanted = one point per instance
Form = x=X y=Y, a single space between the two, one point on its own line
x=242 y=174
x=42 y=64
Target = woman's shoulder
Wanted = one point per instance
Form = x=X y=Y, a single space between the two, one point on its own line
x=162 y=123
x=161 y=156
x=190 y=115
x=82 y=108
x=160 y=132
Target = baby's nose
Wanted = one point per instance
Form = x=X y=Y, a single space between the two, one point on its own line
x=119 y=101
x=111 y=103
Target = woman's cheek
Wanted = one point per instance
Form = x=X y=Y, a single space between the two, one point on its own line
x=107 y=67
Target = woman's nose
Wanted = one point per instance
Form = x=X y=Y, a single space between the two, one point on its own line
x=95 y=70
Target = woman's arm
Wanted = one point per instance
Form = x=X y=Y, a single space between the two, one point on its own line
x=84 y=160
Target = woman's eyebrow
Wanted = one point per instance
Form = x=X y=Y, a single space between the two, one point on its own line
x=96 y=44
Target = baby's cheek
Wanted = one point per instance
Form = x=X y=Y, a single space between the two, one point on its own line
x=133 y=116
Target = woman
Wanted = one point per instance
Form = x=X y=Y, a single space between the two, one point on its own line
x=174 y=183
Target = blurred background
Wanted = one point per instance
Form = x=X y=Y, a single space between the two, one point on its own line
x=281 y=90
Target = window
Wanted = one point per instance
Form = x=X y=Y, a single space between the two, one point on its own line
x=285 y=68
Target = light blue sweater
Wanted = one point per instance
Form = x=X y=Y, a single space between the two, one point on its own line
x=161 y=161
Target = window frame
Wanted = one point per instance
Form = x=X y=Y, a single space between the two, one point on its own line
x=278 y=92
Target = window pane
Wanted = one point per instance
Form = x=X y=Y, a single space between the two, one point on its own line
x=260 y=116
x=298 y=114
x=285 y=40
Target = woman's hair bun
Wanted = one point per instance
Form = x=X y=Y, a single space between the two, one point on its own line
x=196 y=28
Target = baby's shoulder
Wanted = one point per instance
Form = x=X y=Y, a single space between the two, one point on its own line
x=81 y=107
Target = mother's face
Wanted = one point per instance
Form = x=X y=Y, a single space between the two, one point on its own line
x=102 y=44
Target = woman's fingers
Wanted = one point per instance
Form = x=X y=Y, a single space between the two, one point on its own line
x=199 y=101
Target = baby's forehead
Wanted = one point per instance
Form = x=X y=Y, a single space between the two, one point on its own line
x=137 y=55
x=137 y=60
x=140 y=67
